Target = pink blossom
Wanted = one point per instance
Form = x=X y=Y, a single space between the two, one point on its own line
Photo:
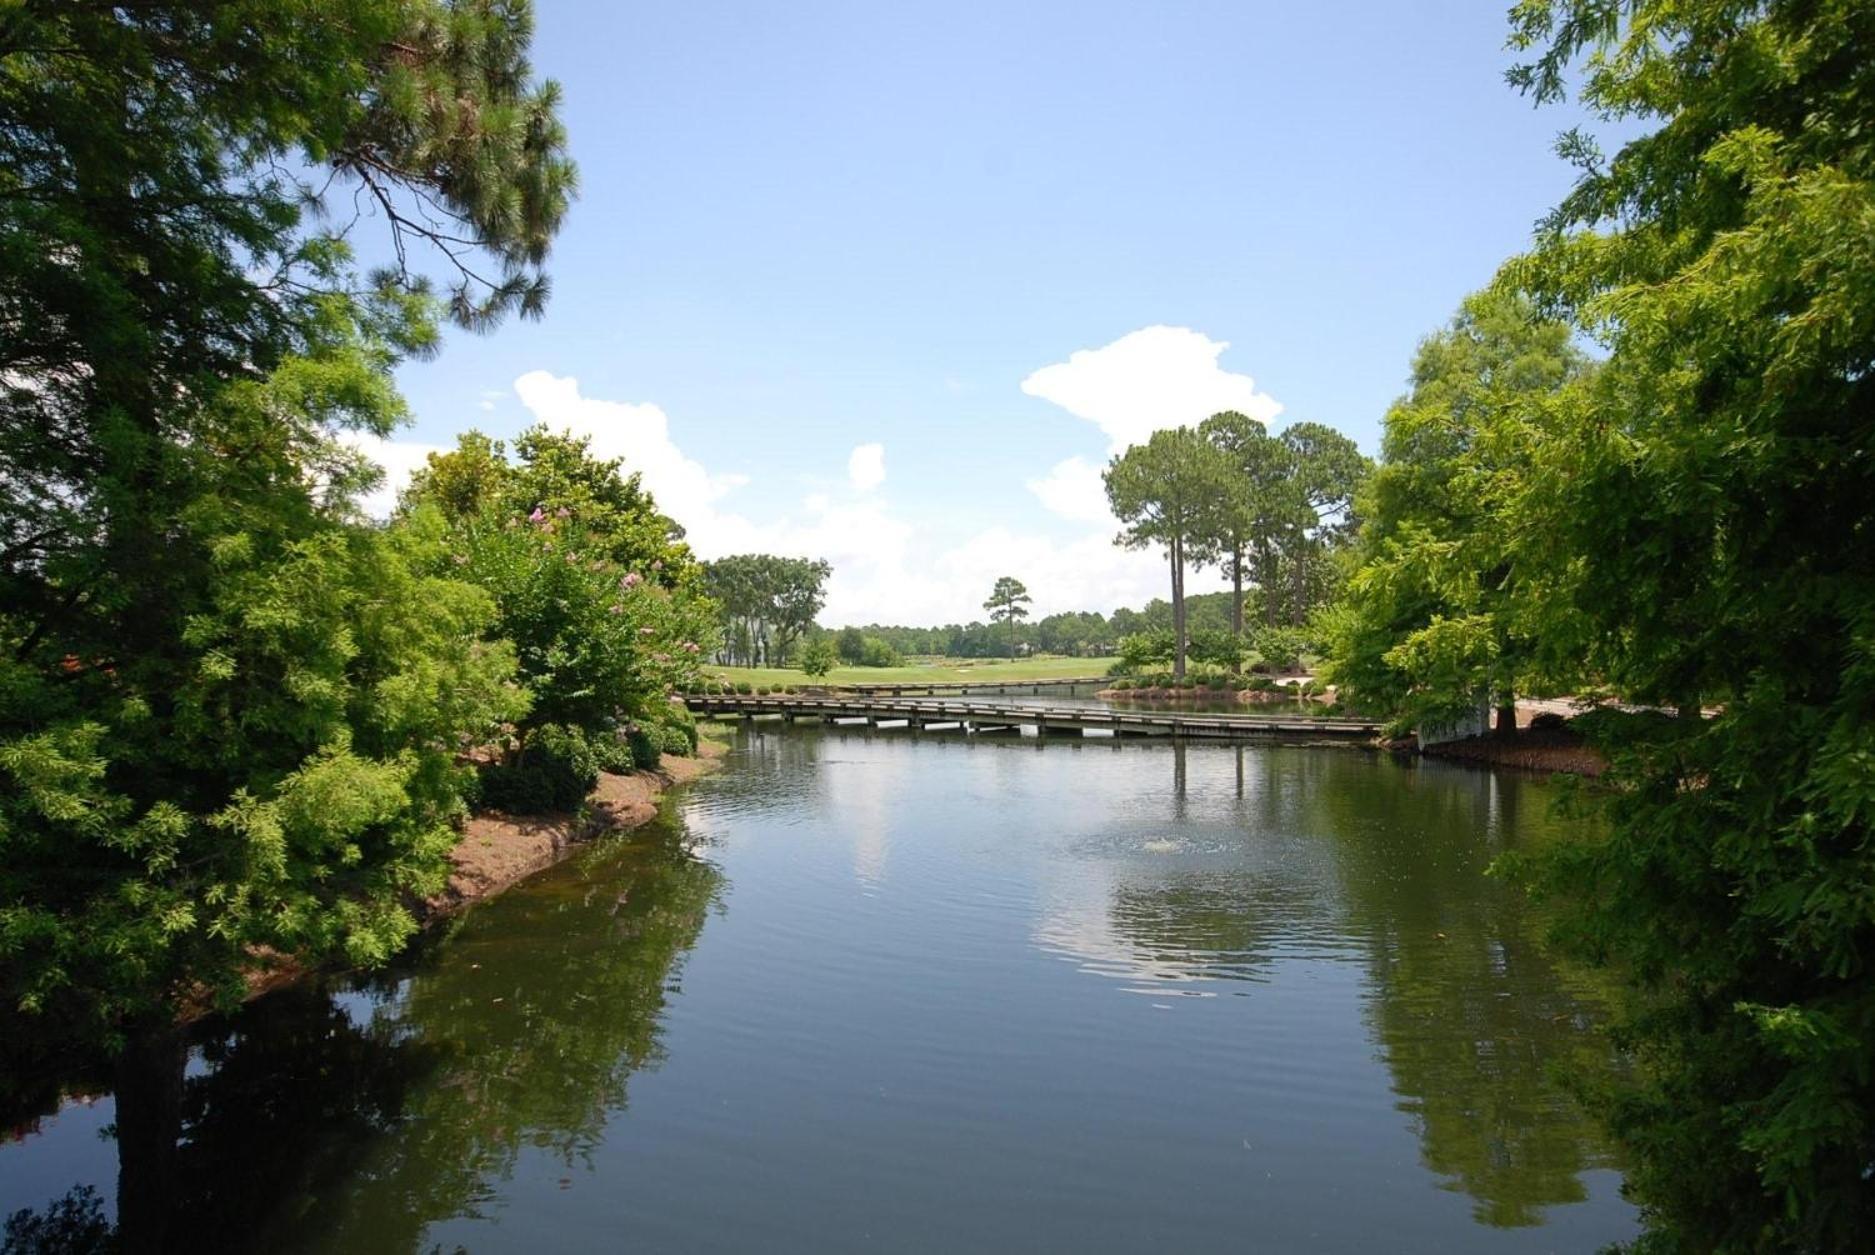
x=690 y=647
x=617 y=609
x=657 y=564
x=563 y=513
x=632 y=580
x=538 y=516
x=645 y=631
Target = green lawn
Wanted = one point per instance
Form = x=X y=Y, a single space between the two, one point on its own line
x=951 y=670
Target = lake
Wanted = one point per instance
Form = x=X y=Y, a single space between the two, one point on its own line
x=867 y=991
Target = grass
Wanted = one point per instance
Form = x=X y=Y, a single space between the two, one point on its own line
x=943 y=670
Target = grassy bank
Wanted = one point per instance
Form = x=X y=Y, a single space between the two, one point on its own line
x=943 y=670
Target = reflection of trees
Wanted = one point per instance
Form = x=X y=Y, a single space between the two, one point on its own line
x=1473 y=1017
x=1199 y=926
x=548 y=1001
x=310 y=1128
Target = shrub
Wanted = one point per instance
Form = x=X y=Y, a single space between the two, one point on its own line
x=744 y=688
x=819 y=656
x=1548 y=721
x=674 y=741
x=556 y=771
x=1120 y=686
x=1281 y=647
x=1214 y=682
x=644 y=745
x=877 y=653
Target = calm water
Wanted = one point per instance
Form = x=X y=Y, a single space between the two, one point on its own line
x=865 y=991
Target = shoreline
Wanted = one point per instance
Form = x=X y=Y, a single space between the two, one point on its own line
x=1550 y=753
x=498 y=851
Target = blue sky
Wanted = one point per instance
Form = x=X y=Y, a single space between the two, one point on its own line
x=808 y=230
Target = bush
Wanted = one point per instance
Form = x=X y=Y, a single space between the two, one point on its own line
x=685 y=724
x=877 y=653
x=645 y=747
x=1548 y=721
x=613 y=751
x=674 y=741
x=556 y=771
x=1281 y=647
x=819 y=656
x=1214 y=682
x=1120 y=686
x=744 y=688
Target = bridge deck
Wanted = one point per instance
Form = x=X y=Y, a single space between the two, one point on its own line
x=978 y=715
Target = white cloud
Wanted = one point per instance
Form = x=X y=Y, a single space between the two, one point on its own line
x=399 y=459
x=1073 y=489
x=641 y=434
x=885 y=567
x=1148 y=380
x=866 y=467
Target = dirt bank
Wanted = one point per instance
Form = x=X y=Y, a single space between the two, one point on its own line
x=498 y=850
x=1548 y=751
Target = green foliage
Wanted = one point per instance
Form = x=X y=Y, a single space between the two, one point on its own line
x=1281 y=647
x=876 y=653
x=1214 y=648
x=818 y=657
x=1143 y=650
x=1008 y=604
x=767 y=603
x=229 y=714
x=1440 y=616
x=1702 y=533
x=556 y=772
x=1167 y=492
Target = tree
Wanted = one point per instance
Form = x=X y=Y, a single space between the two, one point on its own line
x=1328 y=471
x=818 y=656
x=1703 y=516
x=1261 y=506
x=852 y=645
x=767 y=601
x=1439 y=614
x=229 y=715
x=1166 y=492
x=1008 y=604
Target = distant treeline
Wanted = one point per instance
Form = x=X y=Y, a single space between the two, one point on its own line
x=1086 y=633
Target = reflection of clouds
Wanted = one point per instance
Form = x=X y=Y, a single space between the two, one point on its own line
x=863 y=797
x=1176 y=888
x=1076 y=924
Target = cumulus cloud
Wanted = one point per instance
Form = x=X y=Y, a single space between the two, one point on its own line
x=866 y=467
x=1148 y=380
x=641 y=434
x=399 y=459
x=886 y=568
x=1073 y=489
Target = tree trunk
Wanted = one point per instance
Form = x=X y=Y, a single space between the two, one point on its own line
x=1506 y=727
x=149 y=1126
x=1178 y=607
x=1236 y=609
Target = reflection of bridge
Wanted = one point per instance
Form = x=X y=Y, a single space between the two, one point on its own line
x=977 y=715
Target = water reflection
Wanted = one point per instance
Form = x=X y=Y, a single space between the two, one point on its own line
x=354 y=1122
x=1116 y=994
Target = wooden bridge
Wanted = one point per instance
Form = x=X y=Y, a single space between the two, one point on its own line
x=976 y=715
